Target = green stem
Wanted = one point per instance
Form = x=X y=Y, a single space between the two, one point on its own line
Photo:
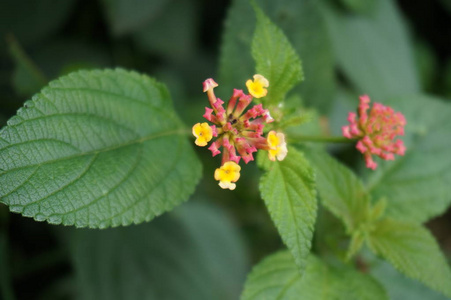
x=320 y=139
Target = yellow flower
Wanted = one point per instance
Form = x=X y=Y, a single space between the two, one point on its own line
x=227 y=174
x=203 y=134
x=277 y=145
x=257 y=88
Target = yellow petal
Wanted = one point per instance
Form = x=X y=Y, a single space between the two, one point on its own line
x=257 y=87
x=203 y=134
x=227 y=174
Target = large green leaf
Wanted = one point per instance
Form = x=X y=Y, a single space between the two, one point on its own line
x=373 y=50
x=304 y=27
x=413 y=251
x=288 y=189
x=400 y=287
x=417 y=184
x=97 y=149
x=275 y=58
x=194 y=252
x=277 y=277
x=340 y=189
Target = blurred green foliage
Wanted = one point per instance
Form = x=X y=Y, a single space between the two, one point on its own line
x=388 y=49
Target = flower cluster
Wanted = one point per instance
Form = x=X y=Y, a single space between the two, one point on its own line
x=239 y=132
x=376 y=131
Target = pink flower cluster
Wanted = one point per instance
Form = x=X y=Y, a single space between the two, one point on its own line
x=239 y=133
x=376 y=131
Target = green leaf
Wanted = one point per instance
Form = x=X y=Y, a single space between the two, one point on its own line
x=275 y=58
x=301 y=22
x=276 y=277
x=288 y=189
x=357 y=241
x=125 y=16
x=400 y=287
x=373 y=51
x=413 y=251
x=340 y=190
x=97 y=149
x=359 y=6
x=194 y=252
x=417 y=185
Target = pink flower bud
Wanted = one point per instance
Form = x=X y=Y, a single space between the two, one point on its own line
x=376 y=131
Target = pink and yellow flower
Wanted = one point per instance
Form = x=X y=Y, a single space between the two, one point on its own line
x=239 y=129
x=203 y=133
x=239 y=132
x=277 y=146
x=376 y=131
x=228 y=174
x=257 y=87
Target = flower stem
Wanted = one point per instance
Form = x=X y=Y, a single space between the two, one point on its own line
x=320 y=139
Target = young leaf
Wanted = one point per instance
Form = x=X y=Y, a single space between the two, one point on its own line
x=276 y=277
x=302 y=23
x=340 y=190
x=288 y=189
x=416 y=185
x=413 y=251
x=275 y=58
x=97 y=149
x=193 y=253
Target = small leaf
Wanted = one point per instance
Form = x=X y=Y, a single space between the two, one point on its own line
x=357 y=240
x=194 y=252
x=276 y=277
x=413 y=251
x=288 y=189
x=275 y=58
x=378 y=210
x=340 y=190
x=97 y=149
x=302 y=23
